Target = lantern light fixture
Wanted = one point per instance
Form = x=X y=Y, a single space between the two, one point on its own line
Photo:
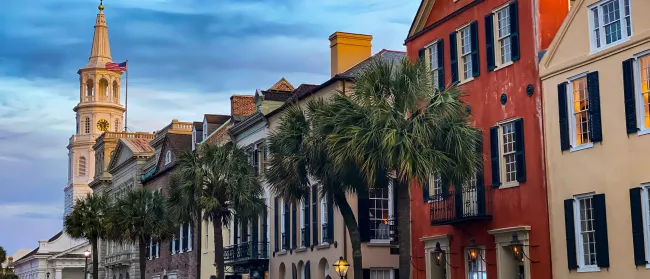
x=341 y=267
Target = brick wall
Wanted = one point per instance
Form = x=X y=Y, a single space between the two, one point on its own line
x=241 y=105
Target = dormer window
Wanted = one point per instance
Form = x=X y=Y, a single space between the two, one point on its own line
x=610 y=23
x=168 y=157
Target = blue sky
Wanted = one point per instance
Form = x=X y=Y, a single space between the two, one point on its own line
x=186 y=58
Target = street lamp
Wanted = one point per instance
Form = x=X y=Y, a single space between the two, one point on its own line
x=86 y=255
x=341 y=267
x=517 y=248
x=48 y=275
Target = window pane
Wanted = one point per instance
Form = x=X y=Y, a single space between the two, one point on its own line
x=379 y=213
x=466 y=50
x=594 y=13
x=581 y=110
x=587 y=232
x=612 y=22
x=644 y=65
x=508 y=145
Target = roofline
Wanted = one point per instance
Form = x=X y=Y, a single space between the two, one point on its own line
x=247 y=123
x=442 y=20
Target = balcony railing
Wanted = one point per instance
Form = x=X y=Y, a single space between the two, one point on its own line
x=246 y=251
x=470 y=203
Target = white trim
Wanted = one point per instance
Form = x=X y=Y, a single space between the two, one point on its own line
x=323 y=220
x=502 y=167
x=601 y=25
x=391 y=271
x=579 y=241
x=645 y=203
x=638 y=94
x=571 y=112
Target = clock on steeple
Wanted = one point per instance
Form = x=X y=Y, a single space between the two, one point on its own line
x=103 y=125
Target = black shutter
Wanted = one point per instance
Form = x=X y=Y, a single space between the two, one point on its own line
x=425 y=191
x=366 y=273
x=314 y=214
x=569 y=225
x=276 y=222
x=294 y=271
x=494 y=156
x=395 y=190
x=255 y=236
x=287 y=227
x=363 y=214
x=453 y=57
x=294 y=226
x=630 y=96
x=307 y=270
x=330 y=219
x=520 y=154
x=396 y=273
x=480 y=187
x=236 y=229
x=514 y=31
x=422 y=55
x=306 y=218
x=244 y=231
x=265 y=227
x=636 y=211
x=147 y=245
x=441 y=64
x=186 y=236
x=595 y=127
x=563 y=111
x=171 y=250
x=476 y=62
x=600 y=226
x=489 y=42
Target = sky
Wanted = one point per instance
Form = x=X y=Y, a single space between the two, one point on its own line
x=186 y=58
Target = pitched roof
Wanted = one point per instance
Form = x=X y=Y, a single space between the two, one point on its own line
x=179 y=143
x=391 y=55
x=272 y=95
x=302 y=90
x=138 y=145
x=216 y=118
x=282 y=85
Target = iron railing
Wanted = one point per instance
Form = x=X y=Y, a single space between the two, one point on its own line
x=246 y=251
x=470 y=203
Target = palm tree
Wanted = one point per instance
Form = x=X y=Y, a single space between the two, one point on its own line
x=3 y=258
x=297 y=153
x=88 y=220
x=395 y=121
x=214 y=183
x=138 y=217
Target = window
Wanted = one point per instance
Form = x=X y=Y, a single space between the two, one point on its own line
x=283 y=219
x=579 y=111
x=117 y=125
x=435 y=64
x=87 y=125
x=503 y=35
x=168 y=157
x=435 y=187
x=466 y=52
x=508 y=160
x=476 y=269
x=381 y=273
x=586 y=233
x=323 y=220
x=82 y=166
x=302 y=224
x=645 y=196
x=205 y=130
x=610 y=23
x=381 y=213
x=207 y=235
x=644 y=69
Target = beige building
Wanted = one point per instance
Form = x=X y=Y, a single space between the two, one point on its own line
x=596 y=80
x=307 y=238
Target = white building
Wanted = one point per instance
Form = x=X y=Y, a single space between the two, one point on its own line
x=60 y=257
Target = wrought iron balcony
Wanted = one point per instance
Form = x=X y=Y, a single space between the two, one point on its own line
x=245 y=252
x=470 y=203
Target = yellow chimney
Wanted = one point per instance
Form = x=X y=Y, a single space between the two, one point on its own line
x=348 y=49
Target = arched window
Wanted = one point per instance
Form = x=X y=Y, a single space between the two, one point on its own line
x=116 y=90
x=168 y=157
x=89 y=88
x=103 y=87
x=117 y=125
x=82 y=166
x=87 y=125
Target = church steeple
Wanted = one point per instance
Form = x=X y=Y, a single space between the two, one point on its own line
x=100 y=52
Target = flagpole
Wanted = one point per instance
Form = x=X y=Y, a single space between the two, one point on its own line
x=126 y=99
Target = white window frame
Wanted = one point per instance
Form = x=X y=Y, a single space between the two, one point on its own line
x=168 y=157
x=645 y=202
x=205 y=129
x=435 y=190
x=173 y=244
x=480 y=261
x=302 y=222
x=601 y=25
x=500 y=64
x=582 y=267
x=207 y=235
x=462 y=58
x=390 y=214
x=638 y=88
x=502 y=161
x=87 y=125
x=193 y=139
x=571 y=112
x=431 y=52
x=282 y=220
x=190 y=245
x=323 y=219
x=180 y=240
x=373 y=272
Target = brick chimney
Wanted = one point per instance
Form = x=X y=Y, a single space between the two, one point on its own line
x=242 y=105
x=348 y=49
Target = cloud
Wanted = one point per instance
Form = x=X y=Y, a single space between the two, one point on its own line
x=186 y=58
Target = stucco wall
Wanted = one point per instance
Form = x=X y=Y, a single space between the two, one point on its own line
x=611 y=167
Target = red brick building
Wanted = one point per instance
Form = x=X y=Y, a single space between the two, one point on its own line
x=180 y=256
x=492 y=49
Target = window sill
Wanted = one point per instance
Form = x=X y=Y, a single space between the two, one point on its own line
x=465 y=81
x=509 y=185
x=588 y=269
x=642 y=132
x=379 y=243
x=582 y=147
x=281 y=253
x=323 y=246
x=623 y=40
x=301 y=249
x=504 y=65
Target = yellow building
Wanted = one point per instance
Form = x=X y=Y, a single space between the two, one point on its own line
x=596 y=81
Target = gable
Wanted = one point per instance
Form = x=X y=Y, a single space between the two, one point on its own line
x=572 y=39
x=120 y=155
x=421 y=16
x=282 y=85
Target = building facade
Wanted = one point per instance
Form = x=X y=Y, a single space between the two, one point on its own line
x=596 y=78
x=490 y=49
x=308 y=236
x=99 y=110
x=60 y=257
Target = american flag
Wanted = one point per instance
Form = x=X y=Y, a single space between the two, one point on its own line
x=116 y=67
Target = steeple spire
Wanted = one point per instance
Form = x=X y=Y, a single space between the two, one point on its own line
x=100 y=52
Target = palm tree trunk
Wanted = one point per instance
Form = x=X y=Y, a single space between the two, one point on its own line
x=353 y=229
x=404 y=227
x=95 y=251
x=142 y=246
x=218 y=247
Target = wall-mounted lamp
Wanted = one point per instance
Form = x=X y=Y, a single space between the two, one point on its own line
x=517 y=249
x=440 y=256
